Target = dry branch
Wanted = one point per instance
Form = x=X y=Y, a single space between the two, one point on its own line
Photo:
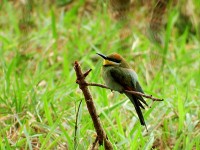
x=126 y=91
x=101 y=135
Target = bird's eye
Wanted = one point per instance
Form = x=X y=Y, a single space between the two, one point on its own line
x=114 y=60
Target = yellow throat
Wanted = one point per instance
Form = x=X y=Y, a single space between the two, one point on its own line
x=107 y=62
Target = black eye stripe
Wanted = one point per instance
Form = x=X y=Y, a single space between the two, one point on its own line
x=114 y=60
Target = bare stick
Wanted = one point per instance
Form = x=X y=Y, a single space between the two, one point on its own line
x=126 y=91
x=102 y=138
x=144 y=95
x=99 y=85
x=87 y=72
x=76 y=126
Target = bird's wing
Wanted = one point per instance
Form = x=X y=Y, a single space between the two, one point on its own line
x=128 y=79
x=122 y=76
x=138 y=87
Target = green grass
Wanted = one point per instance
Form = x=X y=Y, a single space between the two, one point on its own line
x=39 y=96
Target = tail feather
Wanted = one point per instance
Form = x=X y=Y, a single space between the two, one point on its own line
x=136 y=104
x=142 y=100
x=140 y=104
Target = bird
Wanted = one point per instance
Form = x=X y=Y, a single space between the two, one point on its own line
x=119 y=76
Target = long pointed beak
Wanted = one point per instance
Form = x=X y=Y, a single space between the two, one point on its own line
x=103 y=56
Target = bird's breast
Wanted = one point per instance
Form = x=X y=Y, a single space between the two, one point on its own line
x=109 y=80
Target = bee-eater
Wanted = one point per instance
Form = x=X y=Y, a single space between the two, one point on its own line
x=119 y=76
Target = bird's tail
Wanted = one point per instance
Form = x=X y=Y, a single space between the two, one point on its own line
x=136 y=104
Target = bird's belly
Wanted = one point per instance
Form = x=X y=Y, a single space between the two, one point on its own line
x=111 y=83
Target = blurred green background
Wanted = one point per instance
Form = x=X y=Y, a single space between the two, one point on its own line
x=39 y=42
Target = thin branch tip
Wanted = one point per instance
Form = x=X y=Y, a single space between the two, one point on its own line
x=87 y=73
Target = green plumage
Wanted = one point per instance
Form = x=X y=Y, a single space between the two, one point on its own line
x=119 y=77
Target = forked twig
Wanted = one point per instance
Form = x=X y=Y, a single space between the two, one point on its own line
x=101 y=135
